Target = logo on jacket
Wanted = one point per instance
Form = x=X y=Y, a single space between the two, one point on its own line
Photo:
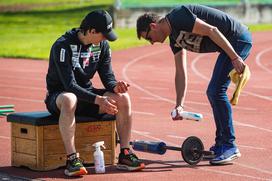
x=62 y=55
x=96 y=51
x=86 y=58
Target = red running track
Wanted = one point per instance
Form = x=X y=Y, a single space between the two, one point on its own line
x=150 y=71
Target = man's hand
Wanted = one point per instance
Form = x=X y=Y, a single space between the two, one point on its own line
x=121 y=87
x=106 y=104
x=238 y=64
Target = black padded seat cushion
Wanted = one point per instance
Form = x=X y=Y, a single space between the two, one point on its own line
x=42 y=118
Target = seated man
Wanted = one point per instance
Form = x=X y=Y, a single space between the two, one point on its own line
x=74 y=59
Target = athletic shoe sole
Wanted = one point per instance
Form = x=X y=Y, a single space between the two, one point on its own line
x=227 y=160
x=128 y=168
x=82 y=171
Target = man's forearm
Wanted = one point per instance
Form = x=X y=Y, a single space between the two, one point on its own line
x=223 y=43
x=181 y=77
x=181 y=87
x=205 y=29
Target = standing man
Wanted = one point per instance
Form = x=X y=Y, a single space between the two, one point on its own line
x=203 y=29
x=74 y=59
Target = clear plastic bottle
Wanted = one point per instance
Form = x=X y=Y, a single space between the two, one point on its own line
x=99 y=162
x=186 y=115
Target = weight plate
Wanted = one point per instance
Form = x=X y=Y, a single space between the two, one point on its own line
x=192 y=150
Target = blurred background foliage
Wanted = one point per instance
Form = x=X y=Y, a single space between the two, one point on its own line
x=28 y=28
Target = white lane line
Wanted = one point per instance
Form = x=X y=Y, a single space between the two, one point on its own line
x=22 y=87
x=157 y=88
x=21 y=78
x=144 y=113
x=133 y=61
x=5 y=137
x=149 y=98
x=245 y=108
x=140 y=132
x=21 y=99
x=153 y=138
x=207 y=104
x=235 y=174
x=160 y=98
x=258 y=59
x=193 y=66
x=261 y=87
x=251 y=126
x=22 y=70
x=254 y=168
x=177 y=137
x=251 y=147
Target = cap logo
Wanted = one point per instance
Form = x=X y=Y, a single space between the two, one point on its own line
x=109 y=26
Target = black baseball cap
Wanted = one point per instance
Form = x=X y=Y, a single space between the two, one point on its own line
x=101 y=21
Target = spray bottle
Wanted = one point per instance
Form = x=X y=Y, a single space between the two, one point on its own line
x=186 y=115
x=99 y=162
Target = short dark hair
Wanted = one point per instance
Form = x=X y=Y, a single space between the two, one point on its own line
x=144 y=21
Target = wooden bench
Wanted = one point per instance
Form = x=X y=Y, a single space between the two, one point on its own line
x=36 y=141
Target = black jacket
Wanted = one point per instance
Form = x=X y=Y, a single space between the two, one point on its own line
x=72 y=65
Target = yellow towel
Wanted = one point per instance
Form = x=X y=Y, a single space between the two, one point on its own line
x=240 y=81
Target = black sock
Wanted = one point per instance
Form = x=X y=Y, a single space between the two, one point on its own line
x=72 y=156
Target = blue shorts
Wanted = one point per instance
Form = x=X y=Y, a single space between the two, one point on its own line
x=83 y=108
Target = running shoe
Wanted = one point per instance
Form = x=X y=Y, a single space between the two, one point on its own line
x=228 y=154
x=74 y=166
x=129 y=161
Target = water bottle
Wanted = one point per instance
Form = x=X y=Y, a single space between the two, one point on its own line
x=99 y=162
x=186 y=115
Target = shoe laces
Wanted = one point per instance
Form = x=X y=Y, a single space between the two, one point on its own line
x=76 y=162
x=131 y=155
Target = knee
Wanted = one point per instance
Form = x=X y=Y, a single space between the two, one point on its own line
x=210 y=94
x=215 y=94
x=67 y=102
x=123 y=100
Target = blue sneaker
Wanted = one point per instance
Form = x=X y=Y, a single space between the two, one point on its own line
x=216 y=149
x=226 y=156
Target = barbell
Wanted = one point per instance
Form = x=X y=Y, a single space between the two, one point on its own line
x=192 y=149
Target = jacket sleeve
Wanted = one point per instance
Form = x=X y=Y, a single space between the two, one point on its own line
x=63 y=61
x=105 y=68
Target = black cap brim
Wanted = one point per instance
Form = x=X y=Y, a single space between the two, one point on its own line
x=111 y=36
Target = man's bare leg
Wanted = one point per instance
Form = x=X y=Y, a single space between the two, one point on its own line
x=66 y=103
x=123 y=117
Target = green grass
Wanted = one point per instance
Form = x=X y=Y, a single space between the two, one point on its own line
x=30 y=34
x=260 y=27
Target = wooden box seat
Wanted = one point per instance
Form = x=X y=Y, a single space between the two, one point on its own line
x=36 y=141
